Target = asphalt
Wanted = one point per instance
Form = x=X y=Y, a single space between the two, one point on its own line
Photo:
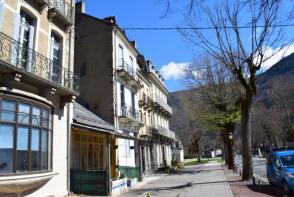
x=259 y=165
x=199 y=180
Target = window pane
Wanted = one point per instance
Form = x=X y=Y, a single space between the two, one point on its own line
x=8 y=105
x=45 y=123
x=7 y=116
x=24 y=113
x=6 y=148
x=45 y=114
x=44 y=152
x=36 y=116
x=49 y=149
x=35 y=148
x=22 y=154
x=25 y=108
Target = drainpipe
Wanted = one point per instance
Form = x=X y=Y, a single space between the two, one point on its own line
x=68 y=111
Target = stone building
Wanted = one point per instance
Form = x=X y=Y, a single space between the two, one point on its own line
x=37 y=86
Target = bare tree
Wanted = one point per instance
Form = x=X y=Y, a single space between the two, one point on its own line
x=214 y=102
x=231 y=21
x=196 y=139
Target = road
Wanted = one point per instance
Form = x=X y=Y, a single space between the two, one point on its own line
x=198 y=180
x=259 y=165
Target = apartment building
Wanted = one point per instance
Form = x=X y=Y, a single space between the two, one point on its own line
x=162 y=136
x=37 y=85
x=145 y=109
x=105 y=59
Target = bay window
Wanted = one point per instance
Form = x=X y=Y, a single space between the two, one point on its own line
x=25 y=136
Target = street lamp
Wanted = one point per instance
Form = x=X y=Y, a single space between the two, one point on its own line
x=231 y=136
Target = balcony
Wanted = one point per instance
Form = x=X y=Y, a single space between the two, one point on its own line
x=145 y=101
x=35 y=69
x=62 y=11
x=129 y=118
x=146 y=131
x=42 y=4
x=159 y=102
x=128 y=73
x=160 y=130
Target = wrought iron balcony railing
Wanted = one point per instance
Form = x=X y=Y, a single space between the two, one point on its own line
x=125 y=66
x=63 y=8
x=165 y=132
x=162 y=103
x=130 y=112
x=25 y=59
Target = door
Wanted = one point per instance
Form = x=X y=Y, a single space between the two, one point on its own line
x=277 y=172
x=26 y=40
x=56 y=69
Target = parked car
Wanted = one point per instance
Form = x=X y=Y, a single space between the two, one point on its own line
x=280 y=169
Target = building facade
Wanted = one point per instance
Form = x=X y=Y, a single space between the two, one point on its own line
x=162 y=136
x=106 y=63
x=37 y=85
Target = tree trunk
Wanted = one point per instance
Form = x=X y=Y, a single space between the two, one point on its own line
x=225 y=139
x=199 y=155
x=247 y=172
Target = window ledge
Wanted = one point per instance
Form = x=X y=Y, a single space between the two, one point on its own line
x=22 y=183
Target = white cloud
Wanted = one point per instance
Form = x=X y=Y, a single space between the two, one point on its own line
x=277 y=54
x=174 y=70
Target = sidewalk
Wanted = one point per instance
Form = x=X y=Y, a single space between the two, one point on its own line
x=206 y=180
x=246 y=188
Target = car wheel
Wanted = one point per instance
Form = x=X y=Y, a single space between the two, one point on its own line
x=285 y=187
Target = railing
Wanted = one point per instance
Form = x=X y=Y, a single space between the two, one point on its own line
x=162 y=103
x=130 y=112
x=89 y=182
x=129 y=172
x=15 y=54
x=125 y=66
x=165 y=132
x=146 y=131
x=63 y=7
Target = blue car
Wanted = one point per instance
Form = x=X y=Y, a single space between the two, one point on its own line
x=280 y=169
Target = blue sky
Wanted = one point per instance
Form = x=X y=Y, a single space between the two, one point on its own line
x=162 y=47
x=167 y=49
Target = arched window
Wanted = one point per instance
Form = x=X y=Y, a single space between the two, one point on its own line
x=25 y=136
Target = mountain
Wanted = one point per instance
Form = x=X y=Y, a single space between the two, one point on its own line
x=278 y=77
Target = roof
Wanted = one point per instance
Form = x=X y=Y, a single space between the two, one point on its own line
x=83 y=116
x=284 y=152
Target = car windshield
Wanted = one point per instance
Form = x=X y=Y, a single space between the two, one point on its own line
x=288 y=160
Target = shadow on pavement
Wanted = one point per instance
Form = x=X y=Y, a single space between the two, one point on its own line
x=268 y=190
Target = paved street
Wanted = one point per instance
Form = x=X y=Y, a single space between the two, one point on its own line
x=200 y=180
x=259 y=165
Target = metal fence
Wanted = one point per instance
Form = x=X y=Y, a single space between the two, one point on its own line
x=63 y=7
x=130 y=172
x=130 y=112
x=16 y=55
x=125 y=66
x=89 y=182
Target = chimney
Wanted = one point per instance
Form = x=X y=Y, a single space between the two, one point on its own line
x=134 y=43
x=80 y=6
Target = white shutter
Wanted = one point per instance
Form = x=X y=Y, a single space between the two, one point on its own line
x=14 y=54
x=31 y=57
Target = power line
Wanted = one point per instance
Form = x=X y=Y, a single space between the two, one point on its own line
x=204 y=28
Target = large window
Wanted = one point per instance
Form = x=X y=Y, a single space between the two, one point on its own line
x=88 y=151
x=25 y=136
